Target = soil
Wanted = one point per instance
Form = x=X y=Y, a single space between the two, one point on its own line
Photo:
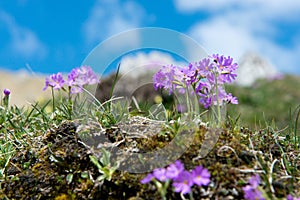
x=58 y=165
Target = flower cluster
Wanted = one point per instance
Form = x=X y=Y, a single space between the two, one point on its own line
x=206 y=77
x=182 y=179
x=251 y=191
x=77 y=79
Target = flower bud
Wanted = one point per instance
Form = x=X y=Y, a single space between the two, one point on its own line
x=6 y=92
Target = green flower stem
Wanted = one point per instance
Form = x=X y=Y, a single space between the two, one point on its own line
x=218 y=102
x=191 y=196
x=53 y=101
x=69 y=94
x=70 y=103
x=6 y=102
x=162 y=188
x=188 y=100
x=218 y=106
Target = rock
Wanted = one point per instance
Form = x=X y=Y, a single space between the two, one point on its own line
x=252 y=67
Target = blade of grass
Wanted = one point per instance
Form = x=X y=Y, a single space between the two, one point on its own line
x=115 y=81
x=296 y=138
x=28 y=116
x=42 y=112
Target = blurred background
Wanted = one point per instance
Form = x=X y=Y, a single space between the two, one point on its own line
x=43 y=37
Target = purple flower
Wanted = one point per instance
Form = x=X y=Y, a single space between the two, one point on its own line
x=82 y=76
x=183 y=182
x=205 y=67
x=228 y=77
x=89 y=75
x=201 y=176
x=254 y=181
x=55 y=80
x=6 y=92
x=225 y=68
x=173 y=170
x=76 y=89
x=205 y=98
x=202 y=85
x=147 y=179
x=160 y=174
x=290 y=197
x=209 y=97
x=72 y=76
x=251 y=191
x=231 y=99
x=165 y=78
x=188 y=74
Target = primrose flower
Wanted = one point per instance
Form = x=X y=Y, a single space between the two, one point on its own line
x=80 y=77
x=188 y=74
x=72 y=76
x=160 y=174
x=201 y=176
x=225 y=67
x=6 y=92
x=174 y=169
x=251 y=191
x=147 y=179
x=231 y=99
x=166 y=77
x=183 y=182
x=254 y=181
x=209 y=97
x=90 y=76
x=204 y=67
x=56 y=81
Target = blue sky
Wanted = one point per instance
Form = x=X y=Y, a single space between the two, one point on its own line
x=49 y=35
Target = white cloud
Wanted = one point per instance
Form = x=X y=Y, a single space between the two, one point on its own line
x=285 y=59
x=270 y=8
x=109 y=17
x=225 y=36
x=235 y=27
x=23 y=41
x=192 y=5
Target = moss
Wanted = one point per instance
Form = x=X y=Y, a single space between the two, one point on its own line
x=63 y=197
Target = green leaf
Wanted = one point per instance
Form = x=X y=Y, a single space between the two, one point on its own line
x=101 y=178
x=69 y=178
x=104 y=170
x=84 y=174
x=95 y=161
x=26 y=165
x=105 y=159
